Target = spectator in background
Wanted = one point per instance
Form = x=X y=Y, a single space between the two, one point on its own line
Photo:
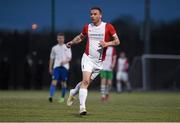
x=4 y=73
x=106 y=73
x=39 y=74
x=58 y=66
x=28 y=74
x=122 y=72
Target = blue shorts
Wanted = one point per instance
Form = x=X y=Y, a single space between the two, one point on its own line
x=60 y=74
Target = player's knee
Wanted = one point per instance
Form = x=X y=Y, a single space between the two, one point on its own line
x=103 y=81
x=109 y=82
x=54 y=82
x=85 y=83
x=64 y=84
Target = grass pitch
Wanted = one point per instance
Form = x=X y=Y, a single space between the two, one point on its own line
x=33 y=106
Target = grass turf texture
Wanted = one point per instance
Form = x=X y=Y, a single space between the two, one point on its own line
x=34 y=106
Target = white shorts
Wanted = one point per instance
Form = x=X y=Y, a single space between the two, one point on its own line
x=122 y=76
x=90 y=65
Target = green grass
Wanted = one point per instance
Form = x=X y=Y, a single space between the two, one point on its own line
x=33 y=106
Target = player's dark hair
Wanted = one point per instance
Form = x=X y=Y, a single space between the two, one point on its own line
x=97 y=8
x=60 y=34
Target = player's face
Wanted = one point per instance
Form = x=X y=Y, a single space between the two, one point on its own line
x=60 y=39
x=95 y=16
x=122 y=55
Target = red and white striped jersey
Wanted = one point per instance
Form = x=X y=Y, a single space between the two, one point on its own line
x=123 y=65
x=95 y=34
x=108 y=61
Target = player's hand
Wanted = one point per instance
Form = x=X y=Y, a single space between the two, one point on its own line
x=103 y=44
x=63 y=62
x=69 y=44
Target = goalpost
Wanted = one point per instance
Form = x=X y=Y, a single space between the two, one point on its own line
x=150 y=60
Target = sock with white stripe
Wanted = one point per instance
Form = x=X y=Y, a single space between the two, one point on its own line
x=103 y=90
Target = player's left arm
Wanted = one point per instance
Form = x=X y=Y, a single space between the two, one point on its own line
x=114 y=36
x=114 y=42
x=114 y=57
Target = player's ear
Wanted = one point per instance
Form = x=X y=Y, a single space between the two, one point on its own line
x=100 y=16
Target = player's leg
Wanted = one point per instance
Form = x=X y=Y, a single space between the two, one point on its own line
x=63 y=79
x=63 y=91
x=54 y=81
x=83 y=92
x=85 y=65
x=118 y=82
x=109 y=83
x=90 y=71
x=75 y=91
x=88 y=77
x=109 y=86
x=126 y=81
x=103 y=85
x=52 y=89
x=72 y=94
x=119 y=86
x=128 y=85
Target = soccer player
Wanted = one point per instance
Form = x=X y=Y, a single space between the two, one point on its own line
x=106 y=73
x=122 y=72
x=98 y=35
x=58 y=66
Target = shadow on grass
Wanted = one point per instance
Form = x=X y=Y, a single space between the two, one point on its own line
x=80 y=116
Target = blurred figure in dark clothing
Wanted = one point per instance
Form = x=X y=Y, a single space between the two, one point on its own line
x=28 y=74
x=4 y=73
x=39 y=74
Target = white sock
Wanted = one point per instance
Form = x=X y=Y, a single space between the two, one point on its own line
x=82 y=97
x=103 y=90
x=76 y=89
x=119 y=87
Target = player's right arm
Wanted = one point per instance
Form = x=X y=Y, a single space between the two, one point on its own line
x=51 y=61
x=114 y=57
x=79 y=38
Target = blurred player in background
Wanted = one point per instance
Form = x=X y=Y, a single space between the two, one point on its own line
x=122 y=72
x=98 y=35
x=107 y=72
x=58 y=66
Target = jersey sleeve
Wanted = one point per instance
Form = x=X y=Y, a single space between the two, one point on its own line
x=111 y=29
x=52 y=54
x=85 y=30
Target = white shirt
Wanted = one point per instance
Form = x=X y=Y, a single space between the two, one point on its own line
x=60 y=53
x=107 y=63
x=122 y=65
